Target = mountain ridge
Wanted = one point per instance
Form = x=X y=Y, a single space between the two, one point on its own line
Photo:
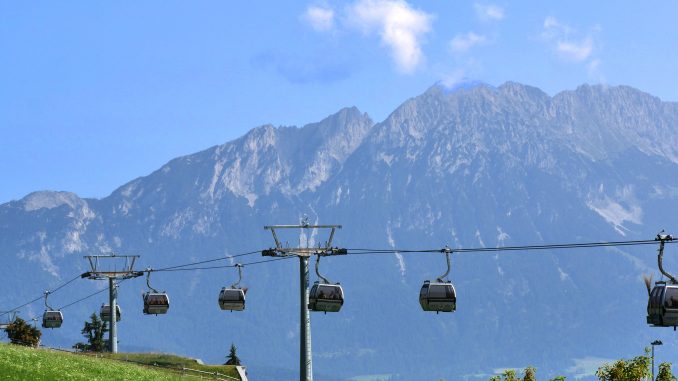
x=480 y=166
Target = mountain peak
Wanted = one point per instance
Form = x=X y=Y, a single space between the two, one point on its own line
x=50 y=200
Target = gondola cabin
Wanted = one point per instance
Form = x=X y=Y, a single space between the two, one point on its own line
x=52 y=319
x=232 y=299
x=325 y=297
x=662 y=307
x=156 y=303
x=438 y=297
x=105 y=312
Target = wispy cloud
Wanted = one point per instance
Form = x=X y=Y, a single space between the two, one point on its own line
x=577 y=51
x=463 y=42
x=572 y=45
x=451 y=79
x=400 y=27
x=489 y=12
x=319 y=18
x=595 y=71
x=566 y=41
x=587 y=366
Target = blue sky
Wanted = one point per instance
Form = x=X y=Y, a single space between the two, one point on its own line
x=94 y=94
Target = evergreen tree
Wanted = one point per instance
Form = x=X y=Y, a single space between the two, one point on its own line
x=94 y=331
x=665 y=373
x=22 y=333
x=232 y=358
x=558 y=378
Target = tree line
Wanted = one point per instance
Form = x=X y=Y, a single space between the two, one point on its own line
x=635 y=369
x=94 y=331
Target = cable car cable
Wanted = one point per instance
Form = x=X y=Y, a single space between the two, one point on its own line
x=42 y=296
x=23 y=305
x=88 y=296
x=221 y=267
x=208 y=261
x=360 y=251
x=167 y=269
x=511 y=248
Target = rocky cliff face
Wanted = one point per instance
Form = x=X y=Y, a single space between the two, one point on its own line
x=475 y=166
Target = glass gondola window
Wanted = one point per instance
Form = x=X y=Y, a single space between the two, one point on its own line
x=443 y=291
x=156 y=299
x=327 y=292
x=671 y=297
x=234 y=295
x=656 y=297
x=424 y=291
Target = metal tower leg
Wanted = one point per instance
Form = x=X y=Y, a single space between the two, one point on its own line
x=306 y=366
x=113 y=329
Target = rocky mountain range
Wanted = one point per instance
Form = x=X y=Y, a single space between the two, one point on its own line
x=474 y=166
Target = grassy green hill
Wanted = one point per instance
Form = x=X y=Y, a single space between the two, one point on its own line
x=21 y=363
x=172 y=361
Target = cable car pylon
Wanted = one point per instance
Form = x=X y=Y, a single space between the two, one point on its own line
x=97 y=273
x=303 y=253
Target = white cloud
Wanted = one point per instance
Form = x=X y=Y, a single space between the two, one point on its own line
x=450 y=80
x=587 y=366
x=319 y=18
x=567 y=42
x=463 y=42
x=551 y=23
x=577 y=51
x=489 y=12
x=595 y=71
x=400 y=27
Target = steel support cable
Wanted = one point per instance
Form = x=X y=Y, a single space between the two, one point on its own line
x=208 y=261
x=511 y=248
x=41 y=297
x=224 y=266
x=173 y=268
x=88 y=296
x=364 y=251
x=65 y=284
x=22 y=306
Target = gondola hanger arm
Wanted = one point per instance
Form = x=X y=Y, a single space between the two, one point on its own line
x=447 y=252
x=663 y=238
x=317 y=271
x=148 y=279
x=239 y=267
